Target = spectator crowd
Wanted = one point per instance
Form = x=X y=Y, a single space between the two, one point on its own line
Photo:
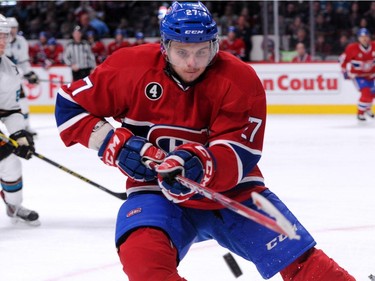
x=335 y=25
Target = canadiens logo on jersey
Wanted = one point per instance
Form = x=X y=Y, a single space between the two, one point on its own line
x=153 y=91
x=169 y=137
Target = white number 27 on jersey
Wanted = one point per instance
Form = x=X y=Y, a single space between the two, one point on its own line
x=88 y=85
x=251 y=130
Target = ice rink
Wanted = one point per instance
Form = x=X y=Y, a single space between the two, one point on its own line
x=322 y=166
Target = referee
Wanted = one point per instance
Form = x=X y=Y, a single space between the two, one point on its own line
x=78 y=55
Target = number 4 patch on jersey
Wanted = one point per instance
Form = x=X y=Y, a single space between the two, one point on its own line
x=153 y=91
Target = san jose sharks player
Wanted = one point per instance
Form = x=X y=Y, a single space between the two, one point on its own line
x=18 y=51
x=11 y=116
x=195 y=111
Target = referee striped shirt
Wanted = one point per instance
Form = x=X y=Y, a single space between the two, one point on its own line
x=79 y=53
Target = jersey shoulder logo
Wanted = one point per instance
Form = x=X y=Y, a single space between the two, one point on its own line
x=153 y=91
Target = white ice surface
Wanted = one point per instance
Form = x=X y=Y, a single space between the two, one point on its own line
x=322 y=166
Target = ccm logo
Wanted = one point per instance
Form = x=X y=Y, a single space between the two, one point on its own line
x=194 y=31
x=274 y=242
x=109 y=154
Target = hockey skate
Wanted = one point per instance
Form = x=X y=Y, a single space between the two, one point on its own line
x=22 y=214
x=370 y=114
x=361 y=117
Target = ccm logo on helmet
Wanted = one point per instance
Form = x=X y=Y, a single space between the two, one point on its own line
x=194 y=31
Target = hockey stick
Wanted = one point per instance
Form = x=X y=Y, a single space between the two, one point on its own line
x=54 y=81
x=50 y=81
x=280 y=224
x=119 y=195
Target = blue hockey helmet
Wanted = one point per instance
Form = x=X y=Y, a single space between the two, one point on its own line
x=232 y=29
x=363 y=32
x=139 y=35
x=188 y=22
x=52 y=42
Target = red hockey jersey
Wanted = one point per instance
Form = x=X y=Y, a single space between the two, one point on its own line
x=114 y=46
x=225 y=110
x=360 y=61
x=236 y=47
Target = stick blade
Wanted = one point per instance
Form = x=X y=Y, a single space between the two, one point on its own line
x=265 y=205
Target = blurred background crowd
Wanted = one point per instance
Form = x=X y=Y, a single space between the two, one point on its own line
x=322 y=29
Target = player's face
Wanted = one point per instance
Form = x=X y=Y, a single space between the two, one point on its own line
x=13 y=31
x=4 y=38
x=189 y=60
x=364 y=40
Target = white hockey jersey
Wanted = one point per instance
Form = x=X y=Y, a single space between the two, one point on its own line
x=18 y=51
x=10 y=85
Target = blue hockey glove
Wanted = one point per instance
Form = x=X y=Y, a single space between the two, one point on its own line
x=192 y=161
x=128 y=152
x=25 y=148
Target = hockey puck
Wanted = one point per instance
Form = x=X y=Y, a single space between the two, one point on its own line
x=233 y=265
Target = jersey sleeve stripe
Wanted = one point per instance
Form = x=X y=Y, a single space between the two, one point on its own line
x=70 y=122
x=233 y=143
x=65 y=95
x=247 y=158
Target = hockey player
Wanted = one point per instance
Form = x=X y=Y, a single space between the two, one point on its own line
x=12 y=118
x=18 y=51
x=197 y=111
x=358 y=64
x=233 y=44
x=119 y=41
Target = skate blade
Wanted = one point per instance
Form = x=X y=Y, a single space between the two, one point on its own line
x=16 y=220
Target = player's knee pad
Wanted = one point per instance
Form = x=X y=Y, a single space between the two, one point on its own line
x=11 y=168
x=149 y=255
x=315 y=265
